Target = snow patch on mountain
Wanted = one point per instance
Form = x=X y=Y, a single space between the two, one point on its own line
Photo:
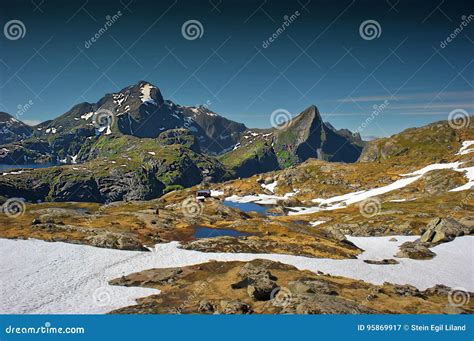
x=146 y=94
x=270 y=187
x=464 y=148
x=87 y=115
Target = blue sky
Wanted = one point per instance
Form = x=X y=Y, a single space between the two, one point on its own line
x=320 y=58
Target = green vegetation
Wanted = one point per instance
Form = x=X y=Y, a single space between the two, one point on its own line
x=171 y=188
x=236 y=157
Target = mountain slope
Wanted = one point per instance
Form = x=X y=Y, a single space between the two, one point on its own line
x=140 y=110
x=303 y=137
x=12 y=130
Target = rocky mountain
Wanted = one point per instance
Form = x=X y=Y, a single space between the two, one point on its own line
x=140 y=110
x=303 y=137
x=171 y=146
x=12 y=130
x=120 y=167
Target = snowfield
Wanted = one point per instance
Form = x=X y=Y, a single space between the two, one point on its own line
x=40 y=277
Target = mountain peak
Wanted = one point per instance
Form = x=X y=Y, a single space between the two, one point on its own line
x=143 y=83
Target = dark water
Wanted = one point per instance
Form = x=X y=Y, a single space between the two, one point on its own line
x=206 y=232
x=248 y=207
x=4 y=167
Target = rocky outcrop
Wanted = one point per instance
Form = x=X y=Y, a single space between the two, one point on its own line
x=222 y=288
x=440 y=230
x=260 y=283
x=415 y=250
x=116 y=241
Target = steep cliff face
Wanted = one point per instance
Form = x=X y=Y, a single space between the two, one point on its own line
x=303 y=137
x=307 y=136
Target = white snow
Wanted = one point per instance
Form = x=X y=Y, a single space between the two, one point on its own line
x=402 y=200
x=152 y=153
x=469 y=173
x=317 y=222
x=146 y=96
x=262 y=199
x=436 y=166
x=344 y=200
x=53 y=277
x=464 y=148
x=216 y=193
x=270 y=187
x=108 y=131
x=87 y=116
x=15 y=172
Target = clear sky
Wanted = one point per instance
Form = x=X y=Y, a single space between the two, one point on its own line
x=321 y=58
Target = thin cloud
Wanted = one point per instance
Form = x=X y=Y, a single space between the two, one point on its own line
x=421 y=96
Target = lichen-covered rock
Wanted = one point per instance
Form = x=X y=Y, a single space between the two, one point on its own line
x=415 y=250
x=116 y=241
x=441 y=230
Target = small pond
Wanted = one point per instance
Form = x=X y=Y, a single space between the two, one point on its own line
x=250 y=207
x=207 y=232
